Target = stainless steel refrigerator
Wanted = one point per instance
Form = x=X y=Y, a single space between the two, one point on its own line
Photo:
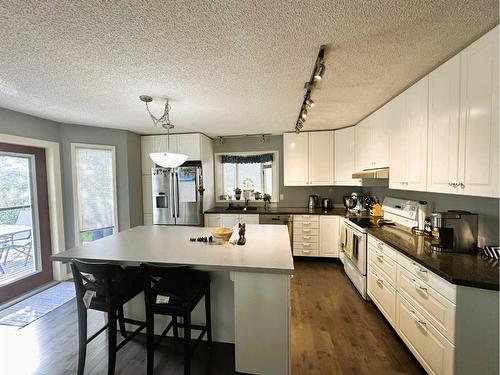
x=176 y=194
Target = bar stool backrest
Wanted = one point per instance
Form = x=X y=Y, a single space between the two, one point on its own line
x=170 y=281
x=97 y=277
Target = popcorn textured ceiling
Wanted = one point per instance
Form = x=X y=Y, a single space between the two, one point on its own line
x=228 y=67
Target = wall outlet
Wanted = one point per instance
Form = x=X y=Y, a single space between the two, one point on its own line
x=282 y=197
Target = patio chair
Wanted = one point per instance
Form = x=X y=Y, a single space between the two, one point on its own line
x=22 y=243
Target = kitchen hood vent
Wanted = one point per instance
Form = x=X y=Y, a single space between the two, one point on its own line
x=379 y=173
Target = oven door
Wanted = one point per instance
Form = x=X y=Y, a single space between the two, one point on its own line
x=353 y=244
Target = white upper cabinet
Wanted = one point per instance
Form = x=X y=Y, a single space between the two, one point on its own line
x=190 y=145
x=345 y=157
x=444 y=103
x=321 y=154
x=295 y=159
x=408 y=138
x=463 y=121
x=478 y=147
x=308 y=158
x=372 y=141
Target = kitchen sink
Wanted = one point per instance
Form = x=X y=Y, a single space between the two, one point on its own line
x=241 y=208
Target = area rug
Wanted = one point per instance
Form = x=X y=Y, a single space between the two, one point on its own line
x=36 y=306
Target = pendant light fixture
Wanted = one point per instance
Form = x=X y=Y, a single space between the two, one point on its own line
x=165 y=159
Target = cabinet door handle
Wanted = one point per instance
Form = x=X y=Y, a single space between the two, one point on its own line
x=380 y=245
x=306 y=223
x=306 y=244
x=418 y=268
x=379 y=280
x=378 y=255
x=418 y=286
x=462 y=185
x=306 y=251
x=306 y=230
x=417 y=319
x=306 y=237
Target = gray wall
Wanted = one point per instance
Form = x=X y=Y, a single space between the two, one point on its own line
x=296 y=196
x=128 y=159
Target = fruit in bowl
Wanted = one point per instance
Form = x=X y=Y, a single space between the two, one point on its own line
x=222 y=234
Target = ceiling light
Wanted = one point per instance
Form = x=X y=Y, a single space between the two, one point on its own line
x=303 y=113
x=319 y=72
x=165 y=159
x=309 y=103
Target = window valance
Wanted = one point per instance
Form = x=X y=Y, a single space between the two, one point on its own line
x=247 y=159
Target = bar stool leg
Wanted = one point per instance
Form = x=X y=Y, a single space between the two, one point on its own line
x=121 y=322
x=111 y=341
x=150 y=342
x=208 y=316
x=187 y=343
x=174 y=327
x=82 y=337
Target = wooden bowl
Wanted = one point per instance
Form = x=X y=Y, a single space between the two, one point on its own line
x=222 y=234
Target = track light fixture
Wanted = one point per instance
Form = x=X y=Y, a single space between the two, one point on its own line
x=317 y=75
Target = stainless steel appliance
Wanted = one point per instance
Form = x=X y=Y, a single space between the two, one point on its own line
x=279 y=220
x=454 y=230
x=378 y=173
x=176 y=194
x=313 y=201
x=327 y=203
x=355 y=202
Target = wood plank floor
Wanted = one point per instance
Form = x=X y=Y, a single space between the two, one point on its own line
x=333 y=332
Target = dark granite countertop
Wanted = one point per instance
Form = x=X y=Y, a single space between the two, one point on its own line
x=289 y=211
x=470 y=270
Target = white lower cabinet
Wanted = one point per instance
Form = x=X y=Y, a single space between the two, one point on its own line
x=230 y=220
x=450 y=329
x=316 y=235
x=433 y=351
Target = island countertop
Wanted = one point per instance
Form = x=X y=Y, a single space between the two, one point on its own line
x=267 y=249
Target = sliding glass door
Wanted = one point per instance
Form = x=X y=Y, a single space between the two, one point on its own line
x=24 y=221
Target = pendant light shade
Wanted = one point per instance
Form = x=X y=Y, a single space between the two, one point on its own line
x=168 y=159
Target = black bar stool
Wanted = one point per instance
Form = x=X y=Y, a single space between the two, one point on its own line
x=111 y=287
x=183 y=288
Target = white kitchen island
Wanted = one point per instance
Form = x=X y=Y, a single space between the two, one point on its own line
x=250 y=284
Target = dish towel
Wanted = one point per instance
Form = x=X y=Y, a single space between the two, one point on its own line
x=349 y=243
x=343 y=236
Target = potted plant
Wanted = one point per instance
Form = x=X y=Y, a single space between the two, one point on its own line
x=257 y=196
x=267 y=199
x=237 y=193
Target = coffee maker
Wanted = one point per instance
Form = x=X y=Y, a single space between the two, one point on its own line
x=454 y=231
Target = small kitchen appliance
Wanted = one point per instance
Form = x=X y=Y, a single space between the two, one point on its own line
x=355 y=202
x=313 y=201
x=454 y=231
x=326 y=203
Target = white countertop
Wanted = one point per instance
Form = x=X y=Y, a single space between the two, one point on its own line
x=267 y=249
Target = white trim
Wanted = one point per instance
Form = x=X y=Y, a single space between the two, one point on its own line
x=54 y=190
x=219 y=174
x=74 y=178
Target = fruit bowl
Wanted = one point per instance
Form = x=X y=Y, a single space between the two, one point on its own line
x=222 y=234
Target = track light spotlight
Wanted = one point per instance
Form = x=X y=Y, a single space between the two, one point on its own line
x=319 y=72
x=303 y=113
x=309 y=103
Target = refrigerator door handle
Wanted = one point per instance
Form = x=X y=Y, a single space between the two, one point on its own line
x=172 y=208
x=177 y=194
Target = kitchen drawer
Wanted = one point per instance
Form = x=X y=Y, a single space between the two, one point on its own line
x=383 y=248
x=431 y=304
x=432 y=350
x=306 y=245
x=421 y=273
x=299 y=231
x=386 y=264
x=305 y=238
x=305 y=252
x=306 y=218
x=382 y=293
x=306 y=224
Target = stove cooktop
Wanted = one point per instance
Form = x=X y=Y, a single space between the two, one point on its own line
x=362 y=222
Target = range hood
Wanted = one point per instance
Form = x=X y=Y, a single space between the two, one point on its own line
x=379 y=173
